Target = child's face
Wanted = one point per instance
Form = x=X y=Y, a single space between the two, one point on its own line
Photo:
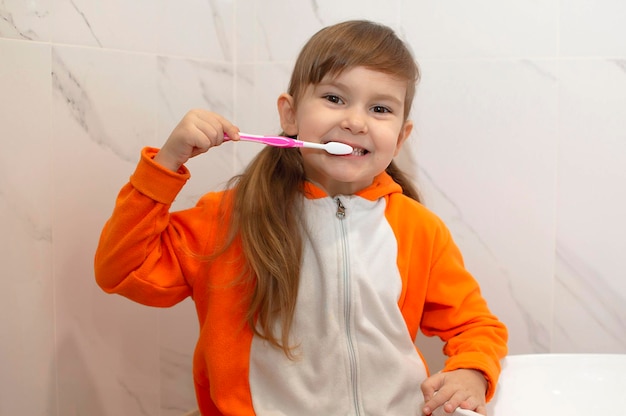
x=360 y=107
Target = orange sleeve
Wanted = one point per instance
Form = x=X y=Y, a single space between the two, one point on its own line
x=455 y=311
x=440 y=297
x=138 y=251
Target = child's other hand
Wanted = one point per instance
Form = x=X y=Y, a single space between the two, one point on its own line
x=197 y=132
x=462 y=388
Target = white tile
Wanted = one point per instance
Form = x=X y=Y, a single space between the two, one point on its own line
x=279 y=36
x=27 y=379
x=27 y=20
x=107 y=352
x=481 y=29
x=185 y=84
x=592 y=28
x=590 y=313
x=246 y=32
x=104 y=109
x=258 y=89
x=110 y=97
x=330 y=12
x=283 y=27
x=114 y=24
x=485 y=150
x=198 y=29
x=179 y=333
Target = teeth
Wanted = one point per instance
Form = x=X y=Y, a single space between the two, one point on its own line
x=358 y=152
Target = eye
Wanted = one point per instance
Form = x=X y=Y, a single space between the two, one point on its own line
x=381 y=109
x=333 y=98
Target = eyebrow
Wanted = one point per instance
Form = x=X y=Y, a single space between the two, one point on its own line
x=392 y=98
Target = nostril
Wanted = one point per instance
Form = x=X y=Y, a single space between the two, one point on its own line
x=354 y=125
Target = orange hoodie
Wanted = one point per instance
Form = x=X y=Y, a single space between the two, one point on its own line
x=377 y=268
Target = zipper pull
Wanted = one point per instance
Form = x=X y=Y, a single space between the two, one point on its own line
x=341 y=210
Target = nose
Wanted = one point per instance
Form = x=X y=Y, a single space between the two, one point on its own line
x=355 y=121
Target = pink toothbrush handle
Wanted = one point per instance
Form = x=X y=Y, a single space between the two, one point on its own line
x=276 y=141
x=273 y=141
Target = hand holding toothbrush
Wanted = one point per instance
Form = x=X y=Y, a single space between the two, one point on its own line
x=200 y=130
x=196 y=133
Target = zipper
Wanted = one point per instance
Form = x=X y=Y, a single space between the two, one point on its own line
x=341 y=212
x=347 y=309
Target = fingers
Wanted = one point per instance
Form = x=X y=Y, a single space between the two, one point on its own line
x=202 y=130
x=431 y=391
x=213 y=126
x=462 y=399
x=450 y=390
x=451 y=402
x=197 y=132
x=431 y=385
x=440 y=398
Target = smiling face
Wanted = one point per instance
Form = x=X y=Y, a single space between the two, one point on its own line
x=360 y=107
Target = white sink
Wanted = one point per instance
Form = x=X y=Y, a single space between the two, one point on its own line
x=561 y=385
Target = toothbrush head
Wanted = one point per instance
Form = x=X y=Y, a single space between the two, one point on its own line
x=336 y=148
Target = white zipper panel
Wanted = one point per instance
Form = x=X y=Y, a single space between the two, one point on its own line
x=353 y=353
x=347 y=307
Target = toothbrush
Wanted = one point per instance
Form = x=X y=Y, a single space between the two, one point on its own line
x=334 y=148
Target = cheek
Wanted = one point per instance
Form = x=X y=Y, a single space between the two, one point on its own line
x=393 y=135
x=390 y=144
x=308 y=155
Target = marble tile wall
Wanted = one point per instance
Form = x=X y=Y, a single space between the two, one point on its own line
x=520 y=146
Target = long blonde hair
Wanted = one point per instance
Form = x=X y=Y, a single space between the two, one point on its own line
x=267 y=193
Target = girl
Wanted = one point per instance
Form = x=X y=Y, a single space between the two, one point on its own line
x=312 y=273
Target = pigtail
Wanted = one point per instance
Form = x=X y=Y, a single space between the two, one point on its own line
x=266 y=219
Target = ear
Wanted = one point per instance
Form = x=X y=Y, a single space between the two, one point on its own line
x=405 y=132
x=287 y=113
